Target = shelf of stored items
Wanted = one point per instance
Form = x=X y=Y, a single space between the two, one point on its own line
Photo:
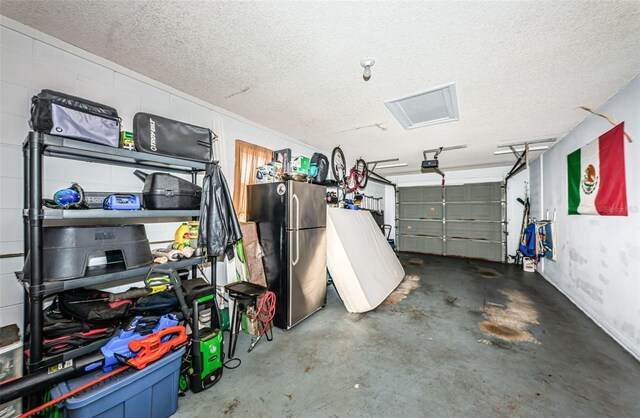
x=142 y=215
x=57 y=146
x=39 y=145
x=107 y=275
x=51 y=287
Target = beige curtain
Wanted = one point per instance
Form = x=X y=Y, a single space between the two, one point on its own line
x=248 y=158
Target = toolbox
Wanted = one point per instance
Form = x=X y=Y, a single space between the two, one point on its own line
x=148 y=393
x=164 y=191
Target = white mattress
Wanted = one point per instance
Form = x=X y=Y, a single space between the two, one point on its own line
x=364 y=268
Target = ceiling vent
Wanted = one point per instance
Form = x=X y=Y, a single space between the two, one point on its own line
x=433 y=106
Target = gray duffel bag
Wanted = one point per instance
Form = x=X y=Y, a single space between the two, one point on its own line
x=61 y=114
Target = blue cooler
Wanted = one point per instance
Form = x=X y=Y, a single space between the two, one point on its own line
x=148 y=393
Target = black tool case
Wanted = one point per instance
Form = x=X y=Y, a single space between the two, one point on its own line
x=164 y=191
x=68 y=251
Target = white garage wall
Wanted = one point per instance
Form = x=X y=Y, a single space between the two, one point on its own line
x=32 y=61
x=598 y=265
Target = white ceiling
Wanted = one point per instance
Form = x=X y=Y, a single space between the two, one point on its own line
x=521 y=68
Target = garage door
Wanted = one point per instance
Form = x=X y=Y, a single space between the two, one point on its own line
x=463 y=220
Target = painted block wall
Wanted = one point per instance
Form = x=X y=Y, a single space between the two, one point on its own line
x=31 y=61
x=598 y=264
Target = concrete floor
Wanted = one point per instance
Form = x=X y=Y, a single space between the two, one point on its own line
x=426 y=356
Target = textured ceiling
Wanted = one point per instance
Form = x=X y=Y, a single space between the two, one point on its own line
x=521 y=68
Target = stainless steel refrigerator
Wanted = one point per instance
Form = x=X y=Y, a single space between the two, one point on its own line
x=291 y=218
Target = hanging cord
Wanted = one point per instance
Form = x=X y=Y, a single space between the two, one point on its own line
x=266 y=312
x=73 y=392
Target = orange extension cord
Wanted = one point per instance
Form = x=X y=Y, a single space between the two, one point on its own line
x=72 y=393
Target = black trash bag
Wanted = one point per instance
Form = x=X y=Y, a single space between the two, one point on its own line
x=321 y=162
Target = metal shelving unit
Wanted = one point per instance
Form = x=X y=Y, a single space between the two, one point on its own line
x=51 y=287
x=142 y=215
x=35 y=147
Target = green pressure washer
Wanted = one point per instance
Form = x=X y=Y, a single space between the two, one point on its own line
x=206 y=365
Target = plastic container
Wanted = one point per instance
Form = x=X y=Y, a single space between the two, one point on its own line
x=182 y=234
x=148 y=393
x=528 y=265
x=70 y=252
x=194 y=226
x=163 y=191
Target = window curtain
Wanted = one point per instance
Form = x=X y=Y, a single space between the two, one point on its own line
x=248 y=157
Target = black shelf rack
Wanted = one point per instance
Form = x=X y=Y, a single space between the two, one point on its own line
x=50 y=287
x=39 y=145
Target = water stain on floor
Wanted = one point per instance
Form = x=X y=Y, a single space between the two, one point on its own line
x=503 y=331
x=416 y=262
x=488 y=273
x=450 y=300
x=406 y=286
x=511 y=321
x=232 y=406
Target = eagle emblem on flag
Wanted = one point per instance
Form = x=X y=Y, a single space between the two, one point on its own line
x=589 y=180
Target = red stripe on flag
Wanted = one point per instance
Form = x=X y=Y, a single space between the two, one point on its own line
x=612 y=191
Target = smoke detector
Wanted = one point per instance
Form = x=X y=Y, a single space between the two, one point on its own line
x=367 y=63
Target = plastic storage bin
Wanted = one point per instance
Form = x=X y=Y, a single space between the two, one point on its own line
x=148 y=393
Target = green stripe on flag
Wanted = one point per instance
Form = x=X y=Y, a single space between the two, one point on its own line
x=574 y=175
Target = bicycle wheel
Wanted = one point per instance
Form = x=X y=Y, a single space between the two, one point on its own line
x=362 y=173
x=338 y=165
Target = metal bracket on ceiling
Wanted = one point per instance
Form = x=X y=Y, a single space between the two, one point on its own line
x=437 y=152
x=376 y=162
x=522 y=157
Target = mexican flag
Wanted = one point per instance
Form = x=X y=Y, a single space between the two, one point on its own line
x=596 y=176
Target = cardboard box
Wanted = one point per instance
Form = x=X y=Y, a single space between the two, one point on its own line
x=253 y=253
x=10 y=365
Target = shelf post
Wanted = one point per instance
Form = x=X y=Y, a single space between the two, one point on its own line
x=25 y=230
x=35 y=215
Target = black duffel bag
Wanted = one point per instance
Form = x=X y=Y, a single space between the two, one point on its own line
x=161 y=136
x=61 y=114
x=92 y=306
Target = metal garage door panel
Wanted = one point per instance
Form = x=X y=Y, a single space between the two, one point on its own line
x=474 y=211
x=479 y=192
x=421 y=211
x=421 y=228
x=420 y=194
x=425 y=245
x=475 y=249
x=478 y=230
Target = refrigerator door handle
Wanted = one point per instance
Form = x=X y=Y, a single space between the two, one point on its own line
x=294 y=261
x=294 y=199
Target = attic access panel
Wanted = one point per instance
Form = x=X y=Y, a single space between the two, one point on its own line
x=429 y=107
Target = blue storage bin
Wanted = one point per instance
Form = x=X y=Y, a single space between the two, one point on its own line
x=148 y=393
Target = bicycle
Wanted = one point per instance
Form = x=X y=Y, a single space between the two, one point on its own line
x=358 y=174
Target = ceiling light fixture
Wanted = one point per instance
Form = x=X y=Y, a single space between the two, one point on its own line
x=392 y=165
x=367 y=63
x=508 y=151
